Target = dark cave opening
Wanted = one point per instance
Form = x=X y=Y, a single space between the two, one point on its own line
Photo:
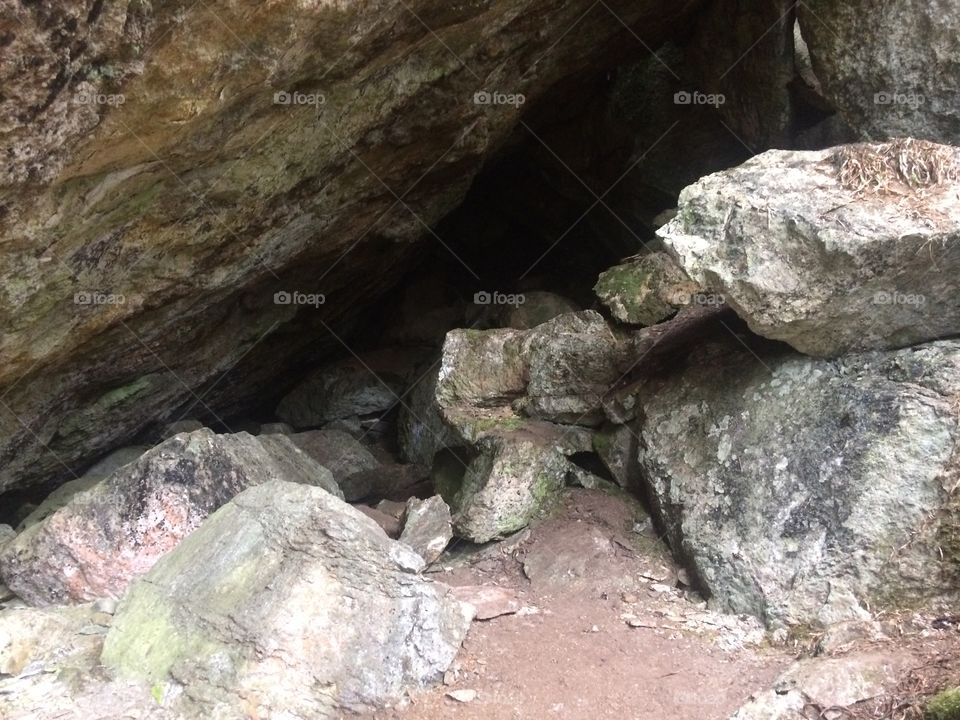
x=590 y=171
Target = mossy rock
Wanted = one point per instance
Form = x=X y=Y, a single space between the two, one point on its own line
x=945 y=706
x=645 y=291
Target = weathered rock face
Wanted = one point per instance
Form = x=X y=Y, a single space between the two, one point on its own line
x=573 y=360
x=803 y=490
x=874 y=67
x=173 y=214
x=506 y=486
x=557 y=371
x=831 y=251
x=291 y=600
x=102 y=469
x=106 y=536
x=50 y=640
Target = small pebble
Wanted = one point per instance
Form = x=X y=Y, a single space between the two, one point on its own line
x=106 y=605
x=463 y=696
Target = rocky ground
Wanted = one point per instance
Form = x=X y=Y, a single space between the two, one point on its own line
x=582 y=615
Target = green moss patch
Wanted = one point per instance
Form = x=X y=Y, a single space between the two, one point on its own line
x=945 y=706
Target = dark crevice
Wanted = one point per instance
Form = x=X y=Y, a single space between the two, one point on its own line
x=95 y=9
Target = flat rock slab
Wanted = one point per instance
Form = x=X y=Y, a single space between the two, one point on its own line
x=829 y=683
x=490 y=601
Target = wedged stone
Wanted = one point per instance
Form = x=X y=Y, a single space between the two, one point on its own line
x=805 y=491
x=107 y=535
x=421 y=428
x=290 y=596
x=509 y=483
x=355 y=386
x=496 y=381
x=647 y=290
x=340 y=453
x=616 y=447
x=481 y=367
x=504 y=468
x=427 y=527
x=102 y=469
x=806 y=255
x=893 y=86
x=572 y=361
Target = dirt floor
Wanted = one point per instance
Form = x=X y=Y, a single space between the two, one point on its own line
x=605 y=629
